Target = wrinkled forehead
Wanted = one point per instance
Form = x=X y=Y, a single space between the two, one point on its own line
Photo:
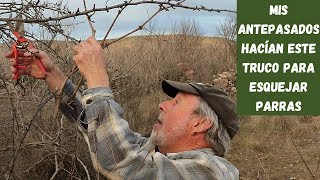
x=187 y=96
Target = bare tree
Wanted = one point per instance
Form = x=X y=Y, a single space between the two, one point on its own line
x=228 y=31
x=37 y=144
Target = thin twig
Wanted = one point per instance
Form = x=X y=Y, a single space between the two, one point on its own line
x=79 y=13
x=58 y=98
x=304 y=162
x=112 y=24
x=109 y=30
x=56 y=164
x=85 y=168
x=264 y=170
x=317 y=169
x=93 y=31
x=77 y=88
x=135 y=30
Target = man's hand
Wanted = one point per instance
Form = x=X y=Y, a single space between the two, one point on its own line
x=27 y=59
x=89 y=57
x=55 y=76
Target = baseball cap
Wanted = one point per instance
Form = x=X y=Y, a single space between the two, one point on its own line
x=218 y=101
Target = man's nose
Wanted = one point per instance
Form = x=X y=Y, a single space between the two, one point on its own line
x=162 y=106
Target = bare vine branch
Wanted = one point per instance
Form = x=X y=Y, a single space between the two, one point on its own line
x=93 y=31
x=303 y=160
x=86 y=12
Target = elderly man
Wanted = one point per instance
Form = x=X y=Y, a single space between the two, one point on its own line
x=189 y=140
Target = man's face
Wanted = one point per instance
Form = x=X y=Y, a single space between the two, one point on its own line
x=173 y=122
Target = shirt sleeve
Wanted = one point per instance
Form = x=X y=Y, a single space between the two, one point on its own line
x=112 y=144
x=115 y=149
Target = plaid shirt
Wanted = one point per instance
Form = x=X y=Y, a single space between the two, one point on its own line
x=119 y=153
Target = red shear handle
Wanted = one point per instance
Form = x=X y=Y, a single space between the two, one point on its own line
x=16 y=55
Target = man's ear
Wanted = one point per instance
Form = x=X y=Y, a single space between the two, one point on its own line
x=201 y=125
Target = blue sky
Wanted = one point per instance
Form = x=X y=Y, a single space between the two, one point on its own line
x=134 y=16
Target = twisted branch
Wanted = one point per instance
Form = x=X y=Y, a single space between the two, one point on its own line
x=107 y=9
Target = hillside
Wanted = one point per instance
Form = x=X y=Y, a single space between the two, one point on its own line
x=267 y=147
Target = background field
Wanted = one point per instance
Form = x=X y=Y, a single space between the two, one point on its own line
x=267 y=147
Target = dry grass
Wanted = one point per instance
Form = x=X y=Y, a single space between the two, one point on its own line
x=266 y=146
x=263 y=148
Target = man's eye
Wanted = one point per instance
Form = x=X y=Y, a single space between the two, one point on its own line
x=177 y=102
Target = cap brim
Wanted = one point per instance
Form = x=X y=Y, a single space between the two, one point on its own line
x=171 y=88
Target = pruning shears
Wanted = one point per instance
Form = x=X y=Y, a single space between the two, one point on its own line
x=22 y=43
